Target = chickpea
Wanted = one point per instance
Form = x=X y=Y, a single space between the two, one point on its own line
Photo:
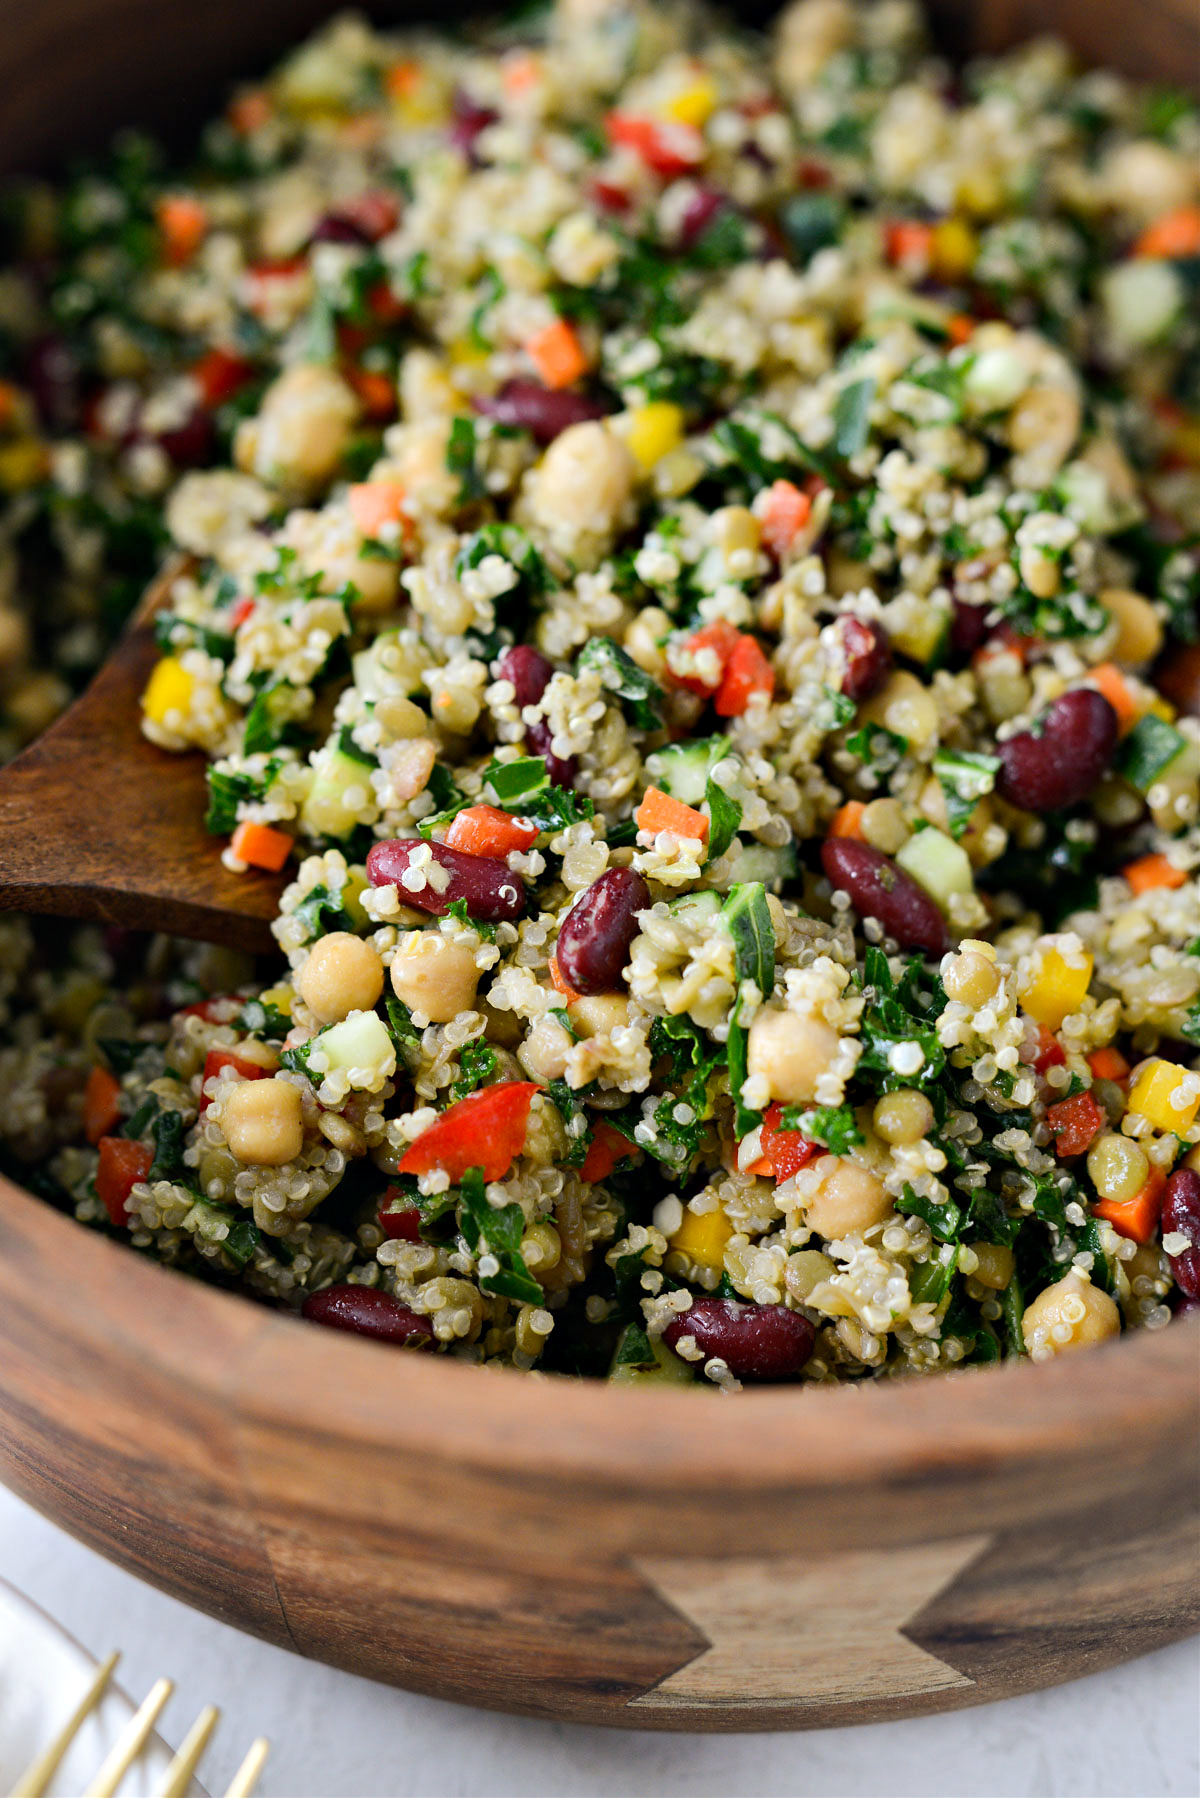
x=850 y=1198
x=434 y=976
x=884 y=825
x=1139 y=629
x=905 y=706
x=302 y=429
x=544 y=1052
x=1117 y=1167
x=598 y=1014
x=903 y=1117
x=1146 y=179
x=1070 y=1314
x=400 y=718
x=642 y=640
x=790 y=1052
x=263 y=1122
x=1043 y=426
x=971 y=977
x=994 y=1264
x=342 y=974
x=264 y=1054
x=584 y=482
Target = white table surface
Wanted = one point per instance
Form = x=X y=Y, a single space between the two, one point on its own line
x=1131 y=1733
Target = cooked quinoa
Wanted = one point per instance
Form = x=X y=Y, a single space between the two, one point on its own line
x=687 y=551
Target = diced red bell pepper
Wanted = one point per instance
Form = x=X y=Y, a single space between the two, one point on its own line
x=122 y=1164
x=399 y=1218
x=375 y=212
x=785 y=1151
x=1049 y=1053
x=1075 y=1122
x=670 y=150
x=486 y=830
x=485 y=1130
x=211 y=1010
x=722 y=639
x=216 y=1059
x=219 y=375
x=240 y=612
x=606 y=1148
x=376 y=391
x=787 y=511
x=101 y=1104
x=747 y=673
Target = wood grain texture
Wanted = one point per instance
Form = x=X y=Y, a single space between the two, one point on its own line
x=96 y=822
x=604 y=1554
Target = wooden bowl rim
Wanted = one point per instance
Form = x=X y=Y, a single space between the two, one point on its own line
x=1140 y=1392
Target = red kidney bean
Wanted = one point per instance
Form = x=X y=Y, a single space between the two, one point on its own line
x=968 y=627
x=699 y=214
x=561 y=769
x=338 y=227
x=527 y=669
x=491 y=892
x=1059 y=762
x=543 y=411
x=367 y=1312
x=50 y=369
x=593 y=943
x=1185 y=1307
x=1181 y=1217
x=468 y=120
x=879 y=889
x=188 y=443
x=1178 y=677
x=756 y=1342
x=868 y=653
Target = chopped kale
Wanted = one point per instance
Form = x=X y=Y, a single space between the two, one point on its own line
x=495 y=1232
x=620 y=674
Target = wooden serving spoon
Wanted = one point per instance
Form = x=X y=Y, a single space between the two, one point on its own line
x=96 y=822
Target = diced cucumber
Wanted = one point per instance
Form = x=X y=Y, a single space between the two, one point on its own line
x=748 y=920
x=1142 y=300
x=937 y=863
x=694 y=908
x=341 y=795
x=759 y=861
x=925 y=637
x=359 y=1041
x=508 y=783
x=1148 y=751
x=682 y=769
x=667 y=1368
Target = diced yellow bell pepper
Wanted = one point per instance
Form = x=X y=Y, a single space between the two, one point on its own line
x=356 y=885
x=1162 y=708
x=282 y=997
x=654 y=431
x=692 y=105
x=169 y=689
x=464 y=352
x=1058 y=987
x=23 y=465
x=702 y=1237
x=1166 y=1094
x=955 y=247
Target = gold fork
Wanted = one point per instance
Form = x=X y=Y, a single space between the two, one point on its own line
x=129 y=1744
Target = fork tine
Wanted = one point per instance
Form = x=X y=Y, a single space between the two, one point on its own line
x=179 y=1773
x=130 y=1742
x=246 y=1778
x=39 y=1773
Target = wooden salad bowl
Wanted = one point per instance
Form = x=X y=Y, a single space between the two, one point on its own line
x=654 y=1558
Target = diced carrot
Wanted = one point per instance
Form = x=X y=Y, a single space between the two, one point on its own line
x=403 y=78
x=1151 y=871
x=182 y=221
x=1109 y=680
x=101 y=1104
x=557 y=354
x=659 y=812
x=717 y=642
x=606 y=1148
x=218 y=1059
x=1136 y=1218
x=485 y=1130
x=260 y=847
x=559 y=982
x=785 y=514
x=486 y=830
x=374 y=504
x=960 y=328
x=847 y=820
x=747 y=673
x=670 y=150
x=376 y=391
x=1075 y=1122
x=908 y=241
x=241 y=611
x=522 y=70
x=219 y=374
x=1108 y=1064
x=122 y=1164
x=1174 y=234
x=250 y=110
